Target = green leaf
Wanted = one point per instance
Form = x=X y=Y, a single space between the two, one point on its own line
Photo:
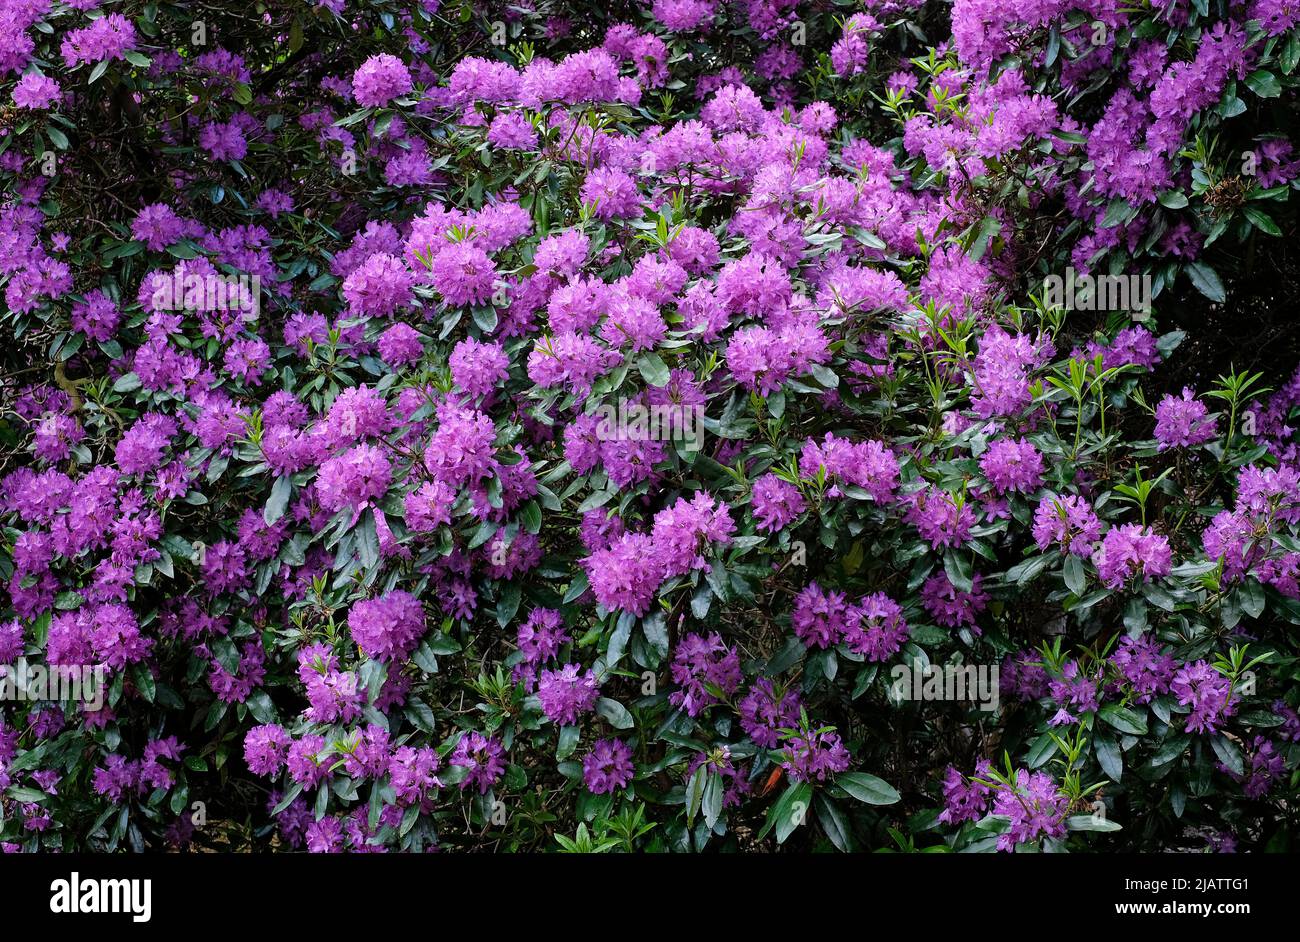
x=277 y=503
x=24 y=794
x=485 y=317
x=1170 y=749
x=1124 y=719
x=1044 y=748
x=613 y=711
x=1261 y=220
x=568 y=742
x=1159 y=596
x=1117 y=213
x=988 y=228
x=835 y=823
x=1264 y=83
x=425 y=658
x=576 y=587
x=791 y=811
x=711 y=803
x=1228 y=754
x=142 y=677
x=867 y=788
x=826 y=376
x=260 y=705
x=1090 y=822
x=1206 y=281
x=532 y=515
x=508 y=604
x=695 y=793
x=652 y=369
x=1076 y=577
x=1029 y=569
x=1252 y=598
x=1290 y=57
x=368 y=542
x=958 y=569
x=1108 y=755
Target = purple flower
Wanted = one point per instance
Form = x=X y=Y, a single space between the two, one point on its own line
x=613 y=192
x=626 y=575
x=1001 y=371
x=1145 y=668
x=850 y=52
x=814 y=755
x=412 y=773
x=116 y=778
x=567 y=693
x=820 y=618
x=387 y=627
x=11 y=641
x=265 y=748
x=699 y=663
x=366 y=752
x=307 y=763
x=950 y=606
x=1131 y=550
x=763 y=712
x=463 y=274
x=608 y=767
x=1067 y=521
x=1073 y=690
x=400 y=344
x=462 y=450
x=776 y=503
x=105 y=39
x=1034 y=807
x=481 y=757
x=359 y=475
x=379 y=286
x=540 y=638
x=513 y=131
x=335 y=697
x=97 y=317
x=1265 y=766
x=965 y=799
x=1231 y=538
x=325 y=836
x=223 y=140
x=140 y=449
x=478 y=368
x=1012 y=465
x=1182 y=423
x=1207 y=692
x=682 y=532
x=875 y=628
x=379 y=80
x=941 y=519
x=36 y=91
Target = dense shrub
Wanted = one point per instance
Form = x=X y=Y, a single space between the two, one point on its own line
x=609 y=427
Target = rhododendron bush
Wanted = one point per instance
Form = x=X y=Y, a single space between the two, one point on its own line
x=699 y=425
